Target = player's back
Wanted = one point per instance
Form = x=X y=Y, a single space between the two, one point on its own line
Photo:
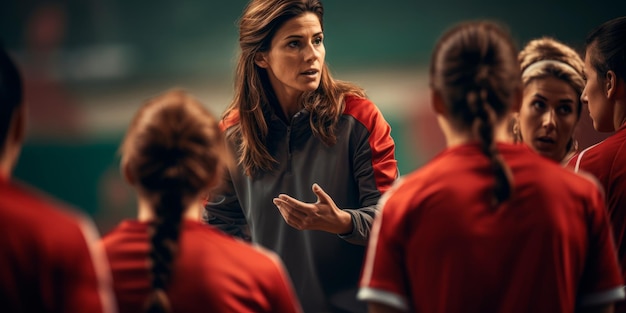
x=529 y=254
x=212 y=272
x=46 y=261
x=606 y=162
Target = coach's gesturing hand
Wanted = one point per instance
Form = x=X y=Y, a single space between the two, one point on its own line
x=321 y=215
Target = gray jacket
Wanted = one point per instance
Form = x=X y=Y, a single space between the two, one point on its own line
x=323 y=267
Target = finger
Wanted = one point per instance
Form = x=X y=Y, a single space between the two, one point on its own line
x=288 y=207
x=322 y=196
x=289 y=214
x=295 y=203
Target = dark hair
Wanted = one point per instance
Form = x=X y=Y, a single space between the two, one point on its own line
x=607 y=48
x=253 y=92
x=474 y=68
x=172 y=152
x=10 y=94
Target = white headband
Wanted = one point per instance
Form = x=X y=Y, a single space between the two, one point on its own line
x=542 y=63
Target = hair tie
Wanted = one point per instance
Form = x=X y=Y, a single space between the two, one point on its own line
x=542 y=63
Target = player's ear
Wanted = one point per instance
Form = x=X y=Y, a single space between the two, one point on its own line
x=126 y=173
x=436 y=101
x=610 y=84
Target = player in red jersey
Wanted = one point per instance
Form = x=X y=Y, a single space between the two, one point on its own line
x=167 y=260
x=487 y=225
x=550 y=111
x=49 y=261
x=605 y=95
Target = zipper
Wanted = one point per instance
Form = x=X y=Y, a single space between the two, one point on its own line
x=289 y=128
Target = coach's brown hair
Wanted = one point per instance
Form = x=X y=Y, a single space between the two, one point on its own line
x=253 y=91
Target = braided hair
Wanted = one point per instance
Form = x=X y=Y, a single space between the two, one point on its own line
x=474 y=68
x=173 y=153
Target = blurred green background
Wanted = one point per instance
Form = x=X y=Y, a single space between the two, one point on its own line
x=88 y=65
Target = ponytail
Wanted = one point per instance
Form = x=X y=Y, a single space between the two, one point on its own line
x=485 y=119
x=474 y=66
x=164 y=232
x=175 y=152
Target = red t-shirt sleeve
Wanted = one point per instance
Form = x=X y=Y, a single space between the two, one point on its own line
x=284 y=297
x=87 y=273
x=601 y=282
x=384 y=277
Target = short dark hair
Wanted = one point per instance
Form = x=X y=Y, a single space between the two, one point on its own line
x=10 y=93
x=607 y=48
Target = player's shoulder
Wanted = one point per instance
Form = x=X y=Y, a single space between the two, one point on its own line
x=57 y=229
x=583 y=179
x=412 y=186
x=38 y=207
x=229 y=120
x=577 y=183
x=248 y=256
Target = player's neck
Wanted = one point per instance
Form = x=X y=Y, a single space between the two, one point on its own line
x=619 y=98
x=455 y=136
x=7 y=161
x=145 y=210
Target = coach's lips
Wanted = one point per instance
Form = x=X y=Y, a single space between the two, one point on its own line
x=310 y=72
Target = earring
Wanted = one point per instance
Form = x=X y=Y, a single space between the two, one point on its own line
x=573 y=145
x=517 y=135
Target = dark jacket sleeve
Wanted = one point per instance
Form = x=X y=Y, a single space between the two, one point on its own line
x=375 y=170
x=224 y=212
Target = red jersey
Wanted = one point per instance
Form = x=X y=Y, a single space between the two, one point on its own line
x=438 y=246
x=607 y=162
x=212 y=272
x=48 y=256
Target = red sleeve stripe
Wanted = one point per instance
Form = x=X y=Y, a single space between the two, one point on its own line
x=383 y=148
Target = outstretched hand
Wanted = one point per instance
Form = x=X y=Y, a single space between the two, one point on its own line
x=321 y=215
